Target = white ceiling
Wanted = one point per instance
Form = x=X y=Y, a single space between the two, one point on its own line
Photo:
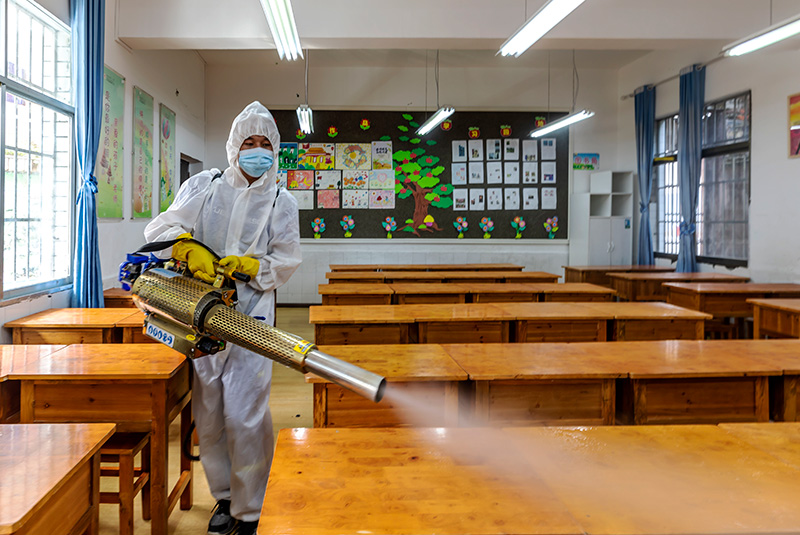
x=604 y=33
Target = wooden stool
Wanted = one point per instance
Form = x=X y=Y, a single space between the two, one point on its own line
x=121 y=449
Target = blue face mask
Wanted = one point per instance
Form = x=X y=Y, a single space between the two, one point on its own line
x=256 y=162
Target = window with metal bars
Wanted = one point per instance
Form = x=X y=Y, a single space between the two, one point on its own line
x=36 y=138
x=724 y=194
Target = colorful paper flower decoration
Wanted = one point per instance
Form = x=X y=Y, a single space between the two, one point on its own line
x=487 y=226
x=519 y=225
x=347 y=224
x=551 y=226
x=318 y=226
x=461 y=226
x=390 y=226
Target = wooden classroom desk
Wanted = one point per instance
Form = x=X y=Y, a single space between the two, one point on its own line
x=117 y=298
x=360 y=277
x=535 y=384
x=422 y=372
x=390 y=481
x=345 y=325
x=409 y=293
x=555 y=322
x=629 y=480
x=598 y=274
x=506 y=292
x=69 y=326
x=703 y=381
x=132 y=329
x=726 y=300
x=355 y=294
x=50 y=478
x=648 y=286
x=425 y=267
x=778 y=318
x=13 y=358
x=651 y=321
x=477 y=323
x=574 y=291
x=689 y=479
x=140 y=387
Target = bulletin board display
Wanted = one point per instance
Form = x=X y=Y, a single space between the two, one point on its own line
x=479 y=175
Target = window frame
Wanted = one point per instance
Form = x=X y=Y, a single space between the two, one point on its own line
x=19 y=89
x=708 y=152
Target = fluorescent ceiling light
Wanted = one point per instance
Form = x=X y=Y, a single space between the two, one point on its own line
x=305 y=118
x=284 y=30
x=434 y=120
x=766 y=37
x=561 y=123
x=538 y=25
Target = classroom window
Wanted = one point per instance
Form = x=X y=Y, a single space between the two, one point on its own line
x=723 y=201
x=38 y=177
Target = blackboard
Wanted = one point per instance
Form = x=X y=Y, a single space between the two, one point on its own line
x=426 y=191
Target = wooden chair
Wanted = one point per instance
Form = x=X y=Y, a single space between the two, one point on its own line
x=121 y=449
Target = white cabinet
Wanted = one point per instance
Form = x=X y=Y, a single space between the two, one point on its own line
x=601 y=219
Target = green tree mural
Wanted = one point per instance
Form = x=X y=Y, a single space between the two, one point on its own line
x=417 y=174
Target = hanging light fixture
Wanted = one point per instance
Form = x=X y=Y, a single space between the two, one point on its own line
x=544 y=20
x=767 y=36
x=304 y=114
x=280 y=18
x=442 y=113
x=574 y=116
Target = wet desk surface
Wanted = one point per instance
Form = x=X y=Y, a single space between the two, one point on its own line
x=603 y=480
x=48 y=476
x=69 y=326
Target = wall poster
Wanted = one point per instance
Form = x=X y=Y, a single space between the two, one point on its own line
x=108 y=166
x=167 y=158
x=794 y=126
x=142 y=154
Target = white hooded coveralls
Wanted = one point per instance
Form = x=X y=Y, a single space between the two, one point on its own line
x=230 y=400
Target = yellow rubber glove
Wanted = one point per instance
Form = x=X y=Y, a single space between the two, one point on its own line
x=199 y=259
x=242 y=264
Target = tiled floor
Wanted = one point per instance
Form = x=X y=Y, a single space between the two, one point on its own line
x=291 y=406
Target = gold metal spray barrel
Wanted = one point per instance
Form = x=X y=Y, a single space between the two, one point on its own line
x=193 y=303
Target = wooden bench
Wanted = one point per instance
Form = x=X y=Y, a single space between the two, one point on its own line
x=50 y=478
x=120 y=450
x=140 y=387
x=70 y=326
x=423 y=373
x=589 y=480
x=599 y=274
x=649 y=286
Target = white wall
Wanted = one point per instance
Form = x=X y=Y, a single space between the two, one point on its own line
x=161 y=74
x=774 y=178
x=232 y=85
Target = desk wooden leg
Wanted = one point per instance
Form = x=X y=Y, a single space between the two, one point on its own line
x=159 y=434
x=609 y=393
x=639 y=402
x=94 y=521
x=756 y=323
x=761 y=399
x=187 y=496
x=320 y=405
x=16 y=336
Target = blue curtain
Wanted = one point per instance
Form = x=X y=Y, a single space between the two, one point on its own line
x=645 y=114
x=88 y=24
x=690 y=147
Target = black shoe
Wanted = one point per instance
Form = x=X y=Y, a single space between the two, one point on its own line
x=221 y=523
x=247 y=528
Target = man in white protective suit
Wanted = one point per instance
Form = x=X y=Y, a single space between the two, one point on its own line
x=253 y=225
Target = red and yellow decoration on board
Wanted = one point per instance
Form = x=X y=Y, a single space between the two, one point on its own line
x=505 y=130
x=300 y=134
x=333 y=131
x=539 y=122
x=364 y=124
x=474 y=132
x=447 y=125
